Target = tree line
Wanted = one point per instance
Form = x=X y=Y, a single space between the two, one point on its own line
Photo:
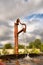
x=33 y=44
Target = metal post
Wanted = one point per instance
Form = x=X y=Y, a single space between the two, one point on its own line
x=16 y=34
x=16 y=38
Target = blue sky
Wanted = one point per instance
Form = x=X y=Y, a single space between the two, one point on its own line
x=29 y=12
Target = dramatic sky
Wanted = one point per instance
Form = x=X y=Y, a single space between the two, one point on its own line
x=29 y=12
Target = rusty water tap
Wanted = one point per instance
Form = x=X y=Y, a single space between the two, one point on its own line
x=16 y=32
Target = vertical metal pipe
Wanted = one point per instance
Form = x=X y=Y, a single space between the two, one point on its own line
x=16 y=34
x=16 y=38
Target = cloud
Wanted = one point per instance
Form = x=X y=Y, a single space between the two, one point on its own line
x=5 y=32
x=35 y=26
x=34 y=29
x=29 y=11
x=18 y=8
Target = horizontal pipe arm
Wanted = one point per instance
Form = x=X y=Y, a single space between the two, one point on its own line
x=20 y=31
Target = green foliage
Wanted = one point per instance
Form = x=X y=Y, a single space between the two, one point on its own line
x=31 y=45
x=27 y=47
x=20 y=52
x=21 y=46
x=4 y=52
x=8 y=46
x=0 y=52
x=34 y=50
x=25 y=51
x=42 y=47
x=36 y=44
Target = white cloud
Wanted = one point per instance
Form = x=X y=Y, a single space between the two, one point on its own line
x=3 y=30
x=39 y=11
x=32 y=26
x=17 y=8
x=5 y=42
x=36 y=2
x=38 y=37
x=12 y=9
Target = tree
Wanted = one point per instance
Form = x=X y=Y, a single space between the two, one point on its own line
x=31 y=44
x=37 y=43
x=27 y=47
x=42 y=47
x=21 y=46
x=8 y=46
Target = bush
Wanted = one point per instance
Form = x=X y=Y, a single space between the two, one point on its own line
x=34 y=50
x=21 y=46
x=4 y=52
x=0 y=52
x=41 y=47
x=8 y=46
